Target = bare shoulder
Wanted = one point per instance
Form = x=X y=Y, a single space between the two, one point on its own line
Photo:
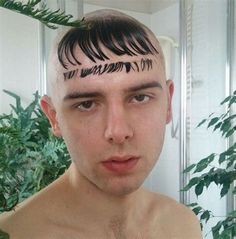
x=24 y=220
x=176 y=219
x=3 y=223
x=29 y=217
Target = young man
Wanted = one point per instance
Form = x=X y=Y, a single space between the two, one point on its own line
x=110 y=101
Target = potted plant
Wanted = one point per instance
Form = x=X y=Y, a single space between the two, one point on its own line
x=30 y=156
x=205 y=173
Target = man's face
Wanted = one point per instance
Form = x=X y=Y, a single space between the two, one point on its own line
x=113 y=123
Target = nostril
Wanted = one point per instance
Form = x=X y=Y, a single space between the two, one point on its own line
x=118 y=139
x=118 y=128
x=110 y=140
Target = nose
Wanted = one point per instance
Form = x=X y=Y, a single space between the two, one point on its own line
x=118 y=128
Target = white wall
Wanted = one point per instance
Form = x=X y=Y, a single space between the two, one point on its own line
x=19 y=57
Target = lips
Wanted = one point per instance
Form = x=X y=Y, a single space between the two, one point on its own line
x=121 y=164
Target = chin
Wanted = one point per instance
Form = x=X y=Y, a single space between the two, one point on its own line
x=122 y=187
x=123 y=191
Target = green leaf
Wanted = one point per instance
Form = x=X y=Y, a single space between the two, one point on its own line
x=192 y=182
x=217 y=126
x=217 y=174
x=4 y=235
x=213 y=121
x=225 y=127
x=222 y=158
x=205 y=216
x=204 y=163
x=225 y=189
x=207 y=180
x=231 y=117
x=192 y=204
x=197 y=210
x=43 y=14
x=211 y=115
x=201 y=166
x=234 y=190
x=229 y=133
x=226 y=100
x=189 y=168
x=18 y=101
x=199 y=188
x=202 y=122
x=232 y=214
x=226 y=234
x=230 y=150
x=232 y=101
x=211 y=157
x=216 y=229
x=230 y=161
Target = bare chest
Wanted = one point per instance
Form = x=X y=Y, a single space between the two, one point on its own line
x=141 y=232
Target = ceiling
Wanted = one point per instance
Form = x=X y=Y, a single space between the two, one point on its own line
x=144 y=6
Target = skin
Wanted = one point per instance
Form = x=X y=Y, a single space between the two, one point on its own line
x=126 y=114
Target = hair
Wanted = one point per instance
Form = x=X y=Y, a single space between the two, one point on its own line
x=118 y=32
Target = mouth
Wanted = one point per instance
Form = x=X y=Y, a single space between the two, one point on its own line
x=121 y=164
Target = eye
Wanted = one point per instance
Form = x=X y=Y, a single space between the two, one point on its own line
x=141 y=98
x=86 y=105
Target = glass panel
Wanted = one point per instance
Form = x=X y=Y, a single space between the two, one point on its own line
x=207 y=38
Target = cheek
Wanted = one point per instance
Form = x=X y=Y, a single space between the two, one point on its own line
x=153 y=120
x=152 y=130
x=80 y=135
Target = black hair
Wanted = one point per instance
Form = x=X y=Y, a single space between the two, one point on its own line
x=121 y=35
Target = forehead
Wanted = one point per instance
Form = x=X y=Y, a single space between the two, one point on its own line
x=113 y=82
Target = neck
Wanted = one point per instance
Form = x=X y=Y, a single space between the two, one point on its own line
x=93 y=205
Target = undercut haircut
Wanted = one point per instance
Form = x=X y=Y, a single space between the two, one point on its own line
x=121 y=34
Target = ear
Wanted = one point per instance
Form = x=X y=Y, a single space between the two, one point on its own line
x=170 y=91
x=49 y=110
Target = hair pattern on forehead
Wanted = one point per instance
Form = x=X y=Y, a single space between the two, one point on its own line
x=145 y=64
x=121 y=34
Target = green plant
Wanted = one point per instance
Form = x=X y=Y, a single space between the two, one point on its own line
x=42 y=13
x=30 y=156
x=4 y=235
x=223 y=175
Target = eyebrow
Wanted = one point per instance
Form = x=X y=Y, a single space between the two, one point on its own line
x=78 y=95
x=93 y=94
x=152 y=84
